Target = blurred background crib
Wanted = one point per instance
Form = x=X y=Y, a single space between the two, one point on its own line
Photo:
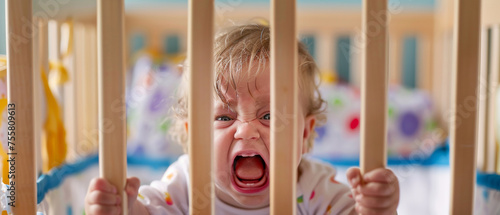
x=420 y=73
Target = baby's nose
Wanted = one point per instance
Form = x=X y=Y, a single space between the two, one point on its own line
x=247 y=131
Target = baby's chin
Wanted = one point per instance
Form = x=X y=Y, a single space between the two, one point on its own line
x=252 y=202
x=243 y=200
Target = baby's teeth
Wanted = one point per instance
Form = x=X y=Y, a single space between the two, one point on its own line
x=248 y=155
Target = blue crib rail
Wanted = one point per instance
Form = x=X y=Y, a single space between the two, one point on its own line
x=440 y=156
x=491 y=181
x=56 y=176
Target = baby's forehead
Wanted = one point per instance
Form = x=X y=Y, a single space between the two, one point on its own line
x=232 y=98
x=243 y=84
x=243 y=80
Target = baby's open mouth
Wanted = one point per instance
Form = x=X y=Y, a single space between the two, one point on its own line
x=250 y=173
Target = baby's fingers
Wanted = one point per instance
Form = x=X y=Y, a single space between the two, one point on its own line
x=374 y=211
x=378 y=189
x=103 y=210
x=101 y=185
x=132 y=187
x=101 y=198
x=376 y=202
x=354 y=176
x=380 y=175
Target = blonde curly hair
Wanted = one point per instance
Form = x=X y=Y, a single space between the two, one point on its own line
x=248 y=46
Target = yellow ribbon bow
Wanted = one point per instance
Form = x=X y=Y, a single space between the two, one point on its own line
x=54 y=134
x=3 y=66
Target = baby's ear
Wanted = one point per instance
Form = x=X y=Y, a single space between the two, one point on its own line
x=309 y=123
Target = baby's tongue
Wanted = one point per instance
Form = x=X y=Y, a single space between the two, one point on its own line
x=249 y=168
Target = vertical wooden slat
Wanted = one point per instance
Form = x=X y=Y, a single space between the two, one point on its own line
x=85 y=62
x=111 y=84
x=325 y=51
x=55 y=197
x=488 y=83
x=374 y=86
x=464 y=105
x=54 y=48
x=355 y=62
x=54 y=33
x=41 y=58
x=482 y=118
x=81 y=70
x=396 y=56
x=492 y=112
x=89 y=133
x=20 y=93
x=284 y=101
x=438 y=75
x=70 y=96
x=200 y=51
x=425 y=58
x=36 y=68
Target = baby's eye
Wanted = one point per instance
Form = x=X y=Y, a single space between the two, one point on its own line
x=267 y=117
x=223 y=118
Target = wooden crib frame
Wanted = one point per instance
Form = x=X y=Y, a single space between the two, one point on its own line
x=21 y=88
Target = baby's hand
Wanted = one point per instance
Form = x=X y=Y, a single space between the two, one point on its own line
x=102 y=197
x=377 y=194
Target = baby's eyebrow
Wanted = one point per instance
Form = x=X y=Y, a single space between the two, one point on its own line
x=224 y=106
x=230 y=104
x=263 y=101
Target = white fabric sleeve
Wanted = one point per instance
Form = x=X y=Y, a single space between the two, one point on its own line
x=170 y=194
x=320 y=193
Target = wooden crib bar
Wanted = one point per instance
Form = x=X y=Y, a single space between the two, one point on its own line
x=284 y=107
x=200 y=57
x=20 y=93
x=484 y=104
x=374 y=86
x=494 y=75
x=488 y=83
x=490 y=96
x=42 y=56
x=464 y=105
x=111 y=87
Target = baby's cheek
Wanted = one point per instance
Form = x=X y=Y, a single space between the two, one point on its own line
x=222 y=146
x=222 y=176
x=222 y=141
x=265 y=135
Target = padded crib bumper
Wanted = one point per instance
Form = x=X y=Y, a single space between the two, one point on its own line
x=488 y=180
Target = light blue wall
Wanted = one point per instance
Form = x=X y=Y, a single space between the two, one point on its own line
x=137 y=42
x=172 y=44
x=410 y=51
x=2 y=28
x=343 y=58
x=310 y=42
